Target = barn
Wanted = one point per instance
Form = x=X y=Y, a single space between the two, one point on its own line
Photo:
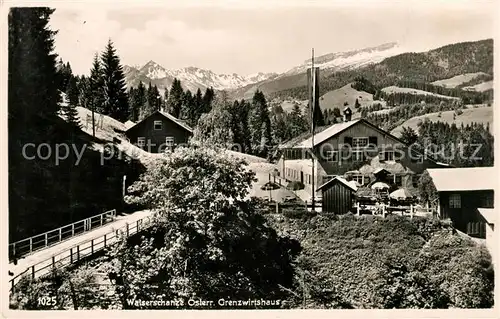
x=337 y=196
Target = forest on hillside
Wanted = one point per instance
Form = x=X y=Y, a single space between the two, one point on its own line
x=438 y=64
x=43 y=186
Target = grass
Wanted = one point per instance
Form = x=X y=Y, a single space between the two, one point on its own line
x=458 y=80
x=396 y=89
x=478 y=115
x=481 y=87
x=338 y=97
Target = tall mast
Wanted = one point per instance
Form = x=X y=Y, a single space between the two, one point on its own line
x=313 y=105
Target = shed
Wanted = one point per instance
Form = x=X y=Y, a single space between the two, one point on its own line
x=337 y=195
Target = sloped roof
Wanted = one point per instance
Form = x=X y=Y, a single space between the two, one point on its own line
x=339 y=179
x=327 y=133
x=298 y=139
x=464 y=179
x=168 y=116
x=488 y=214
x=129 y=124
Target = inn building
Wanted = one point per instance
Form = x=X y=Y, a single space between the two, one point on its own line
x=353 y=149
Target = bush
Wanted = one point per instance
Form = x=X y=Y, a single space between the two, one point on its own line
x=294 y=212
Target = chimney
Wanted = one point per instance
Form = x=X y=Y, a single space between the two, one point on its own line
x=347 y=114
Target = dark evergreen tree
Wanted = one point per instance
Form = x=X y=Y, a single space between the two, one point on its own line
x=33 y=81
x=408 y=135
x=165 y=99
x=69 y=108
x=208 y=98
x=154 y=98
x=133 y=112
x=259 y=125
x=188 y=109
x=175 y=98
x=115 y=94
x=198 y=106
x=96 y=86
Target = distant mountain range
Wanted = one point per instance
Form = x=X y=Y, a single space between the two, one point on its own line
x=191 y=78
x=383 y=65
x=349 y=59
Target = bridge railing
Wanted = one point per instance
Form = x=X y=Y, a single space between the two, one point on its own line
x=29 y=245
x=77 y=252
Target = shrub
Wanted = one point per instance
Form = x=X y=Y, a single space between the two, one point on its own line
x=294 y=212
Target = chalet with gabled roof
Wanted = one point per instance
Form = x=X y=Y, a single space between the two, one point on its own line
x=354 y=149
x=159 y=132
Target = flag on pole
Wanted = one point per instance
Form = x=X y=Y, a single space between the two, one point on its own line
x=313 y=86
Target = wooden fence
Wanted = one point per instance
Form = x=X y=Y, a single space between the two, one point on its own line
x=78 y=252
x=29 y=245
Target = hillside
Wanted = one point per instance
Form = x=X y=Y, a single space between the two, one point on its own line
x=438 y=64
x=346 y=94
x=394 y=89
x=481 y=87
x=478 y=115
x=455 y=81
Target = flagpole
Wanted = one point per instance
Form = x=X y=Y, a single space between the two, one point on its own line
x=313 y=104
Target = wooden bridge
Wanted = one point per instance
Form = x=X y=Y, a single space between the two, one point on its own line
x=43 y=261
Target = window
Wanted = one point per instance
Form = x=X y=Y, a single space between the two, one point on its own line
x=389 y=155
x=141 y=141
x=358 y=179
x=169 y=141
x=157 y=125
x=332 y=156
x=359 y=142
x=455 y=201
x=486 y=200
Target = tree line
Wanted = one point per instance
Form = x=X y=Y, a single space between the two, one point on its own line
x=40 y=187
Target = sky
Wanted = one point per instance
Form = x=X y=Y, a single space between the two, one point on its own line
x=250 y=37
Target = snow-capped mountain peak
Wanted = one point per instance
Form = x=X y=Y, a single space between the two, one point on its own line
x=153 y=70
x=350 y=59
x=191 y=77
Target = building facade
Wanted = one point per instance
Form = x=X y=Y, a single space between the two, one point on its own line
x=356 y=150
x=462 y=193
x=159 y=132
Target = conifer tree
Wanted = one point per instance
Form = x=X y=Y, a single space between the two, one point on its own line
x=96 y=86
x=175 y=98
x=207 y=100
x=115 y=94
x=33 y=81
x=259 y=125
x=188 y=108
x=198 y=105
x=69 y=109
x=165 y=99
